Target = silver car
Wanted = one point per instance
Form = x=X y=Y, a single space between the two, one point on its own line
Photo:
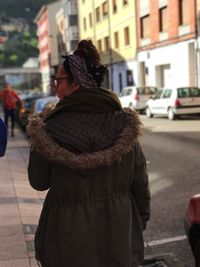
x=136 y=97
x=173 y=102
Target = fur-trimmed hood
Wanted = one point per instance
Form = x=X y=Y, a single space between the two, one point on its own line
x=47 y=144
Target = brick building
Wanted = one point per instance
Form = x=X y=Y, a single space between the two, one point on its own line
x=166 y=42
x=47 y=42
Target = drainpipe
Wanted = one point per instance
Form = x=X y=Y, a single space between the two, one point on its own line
x=110 y=48
x=137 y=43
x=197 y=28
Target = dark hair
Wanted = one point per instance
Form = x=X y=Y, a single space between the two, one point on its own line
x=88 y=51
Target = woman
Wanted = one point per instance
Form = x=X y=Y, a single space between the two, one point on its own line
x=86 y=152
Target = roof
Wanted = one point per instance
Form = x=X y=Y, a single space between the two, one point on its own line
x=42 y=9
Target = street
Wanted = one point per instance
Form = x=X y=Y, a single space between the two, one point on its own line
x=172 y=152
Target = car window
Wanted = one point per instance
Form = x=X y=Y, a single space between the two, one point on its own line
x=123 y=93
x=158 y=94
x=183 y=92
x=40 y=105
x=195 y=92
x=147 y=90
x=129 y=92
x=167 y=93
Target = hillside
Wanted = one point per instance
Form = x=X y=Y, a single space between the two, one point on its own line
x=21 y=43
x=26 y=9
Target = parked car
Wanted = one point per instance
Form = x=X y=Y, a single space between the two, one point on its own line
x=136 y=97
x=192 y=226
x=172 y=102
x=43 y=104
x=24 y=111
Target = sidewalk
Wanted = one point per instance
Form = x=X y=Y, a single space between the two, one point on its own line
x=20 y=206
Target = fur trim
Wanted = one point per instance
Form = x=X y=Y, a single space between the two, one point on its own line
x=52 y=151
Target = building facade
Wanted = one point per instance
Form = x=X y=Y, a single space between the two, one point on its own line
x=71 y=29
x=60 y=20
x=166 y=42
x=198 y=40
x=111 y=24
x=47 y=42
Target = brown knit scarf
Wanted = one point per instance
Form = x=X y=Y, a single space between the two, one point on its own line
x=95 y=100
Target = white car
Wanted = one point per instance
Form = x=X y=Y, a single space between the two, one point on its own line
x=172 y=102
x=136 y=97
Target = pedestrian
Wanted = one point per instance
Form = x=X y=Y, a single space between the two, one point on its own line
x=86 y=151
x=3 y=138
x=9 y=97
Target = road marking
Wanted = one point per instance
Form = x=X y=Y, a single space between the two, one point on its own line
x=165 y=241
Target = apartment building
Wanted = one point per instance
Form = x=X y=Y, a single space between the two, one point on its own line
x=111 y=24
x=166 y=42
x=71 y=29
x=47 y=42
x=198 y=40
x=60 y=20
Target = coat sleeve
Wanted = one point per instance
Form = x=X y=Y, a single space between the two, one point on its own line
x=39 y=171
x=3 y=138
x=140 y=185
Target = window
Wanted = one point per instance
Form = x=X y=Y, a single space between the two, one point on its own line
x=90 y=19
x=84 y=24
x=73 y=20
x=194 y=92
x=126 y=36
x=129 y=78
x=114 y=6
x=99 y=45
x=183 y=12
x=167 y=93
x=163 y=17
x=105 y=8
x=97 y=14
x=106 y=43
x=146 y=90
x=120 y=82
x=158 y=94
x=125 y=2
x=116 y=40
x=188 y=92
x=145 y=27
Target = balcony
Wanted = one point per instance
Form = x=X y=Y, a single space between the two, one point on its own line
x=71 y=8
x=73 y=33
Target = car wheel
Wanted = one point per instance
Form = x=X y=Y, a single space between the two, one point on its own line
x=171 y=115
x=197 y=253
x=148 y=112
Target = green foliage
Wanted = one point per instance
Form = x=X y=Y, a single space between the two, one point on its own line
x=15 y=52
x=26 y=9
x=20 y=46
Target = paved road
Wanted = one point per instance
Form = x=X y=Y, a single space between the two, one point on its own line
x=172 y=151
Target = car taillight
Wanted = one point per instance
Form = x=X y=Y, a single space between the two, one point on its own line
x=193 y=210
x=137 y=97
x=177 y=103
x=22 y=110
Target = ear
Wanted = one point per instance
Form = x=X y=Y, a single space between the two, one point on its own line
x=76 y=86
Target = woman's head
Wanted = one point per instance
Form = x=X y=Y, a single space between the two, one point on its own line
x=82 y=69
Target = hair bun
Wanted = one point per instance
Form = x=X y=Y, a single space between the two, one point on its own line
x=87 y=50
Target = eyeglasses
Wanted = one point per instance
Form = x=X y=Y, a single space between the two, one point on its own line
x=56 y=81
